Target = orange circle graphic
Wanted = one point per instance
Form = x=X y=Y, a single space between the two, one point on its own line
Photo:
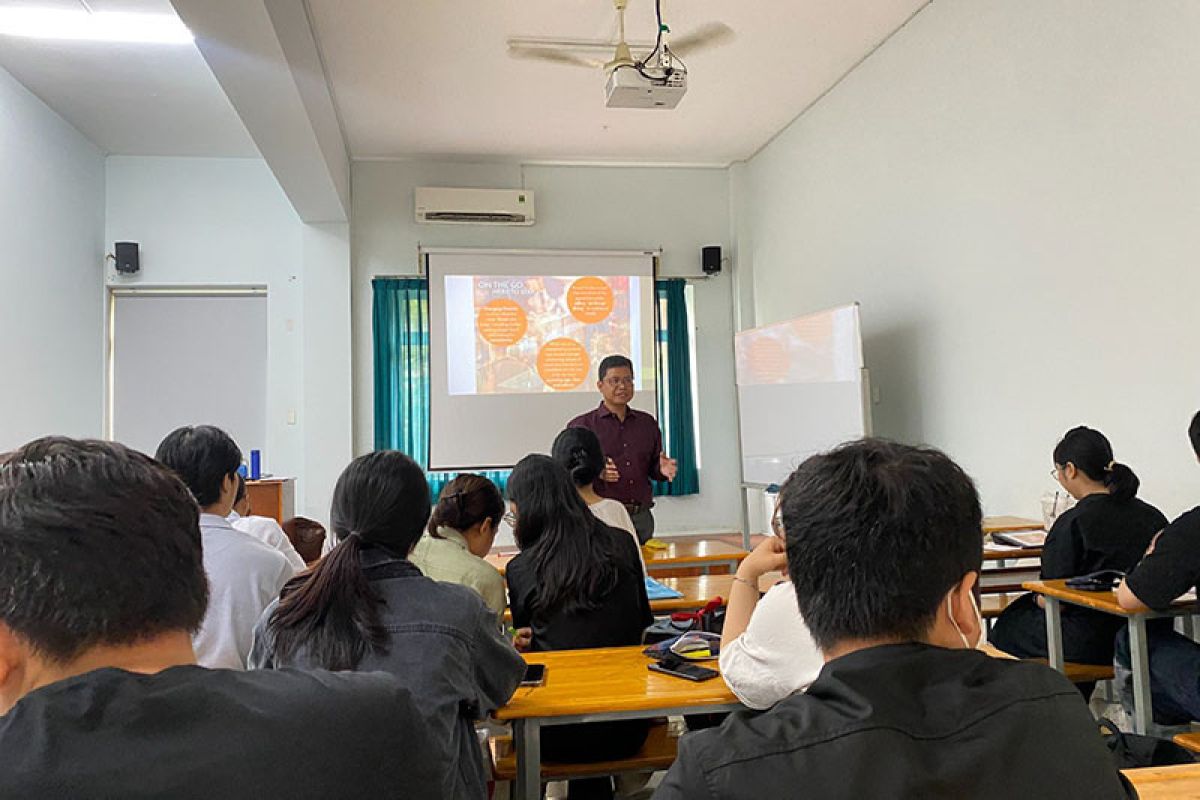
x=590 y=300
x=768 y=360
x=563 y=364
x=502 y=322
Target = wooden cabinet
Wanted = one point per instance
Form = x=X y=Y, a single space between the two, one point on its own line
x=273 y=497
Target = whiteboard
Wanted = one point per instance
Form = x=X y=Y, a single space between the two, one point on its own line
x=189 y=358
x=802 y=389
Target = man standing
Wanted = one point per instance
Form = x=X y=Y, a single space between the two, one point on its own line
x=632 y=445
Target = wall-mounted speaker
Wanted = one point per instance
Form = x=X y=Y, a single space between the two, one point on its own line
x=710 y=259
x=126 y=257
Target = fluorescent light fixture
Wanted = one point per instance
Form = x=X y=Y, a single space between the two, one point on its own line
x=104 y=26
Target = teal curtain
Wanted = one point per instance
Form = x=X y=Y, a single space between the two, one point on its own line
x=400 y=325
x=675 y=406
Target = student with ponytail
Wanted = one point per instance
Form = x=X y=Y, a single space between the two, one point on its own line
x=460 y=533
x=365 y=607
x=576 y=583
x=578 y=451
x=1108 y=528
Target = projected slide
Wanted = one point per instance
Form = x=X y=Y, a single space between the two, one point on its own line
x=818 y=348
x=510 y=334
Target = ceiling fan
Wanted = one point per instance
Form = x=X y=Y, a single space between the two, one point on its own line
x=660 y=58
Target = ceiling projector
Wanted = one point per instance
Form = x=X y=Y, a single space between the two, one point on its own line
x=629 y=88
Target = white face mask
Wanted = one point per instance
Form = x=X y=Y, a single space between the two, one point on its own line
x=978 y=619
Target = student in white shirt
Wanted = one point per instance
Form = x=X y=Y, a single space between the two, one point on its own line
x=578 y=451
x=244 y=575
x=767 y=652
x=265 y=529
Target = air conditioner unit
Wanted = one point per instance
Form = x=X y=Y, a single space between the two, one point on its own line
x=474 y=206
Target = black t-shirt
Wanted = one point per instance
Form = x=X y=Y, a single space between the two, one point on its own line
x=907 y=721
x=1173 y=567
x=1100 y=532
x=190 y=732
x=619 y=619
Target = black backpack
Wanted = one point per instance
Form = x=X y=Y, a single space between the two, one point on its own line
x=1133 y=750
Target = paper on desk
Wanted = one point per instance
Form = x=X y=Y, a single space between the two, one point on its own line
x=1001 y=548
x=1187 y=597
x=657 y=591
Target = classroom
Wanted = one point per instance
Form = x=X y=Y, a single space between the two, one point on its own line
x=618 y=368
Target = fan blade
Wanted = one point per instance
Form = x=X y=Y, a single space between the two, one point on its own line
x=554 y=56
x=711 y=34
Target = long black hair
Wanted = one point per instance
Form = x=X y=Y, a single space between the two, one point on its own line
x=1089 y=450
x=381 y=500
x=554 y=527
x=579 y=451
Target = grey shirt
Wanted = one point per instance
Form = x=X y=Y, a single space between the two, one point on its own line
x=444 y=645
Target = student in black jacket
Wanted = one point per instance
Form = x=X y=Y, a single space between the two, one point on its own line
x=577 y=583
x=1170 y=568
x=884 y=550
x=1109 y=528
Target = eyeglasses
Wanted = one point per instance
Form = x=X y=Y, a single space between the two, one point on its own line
x=1054 y=473
x=619 y=381
x=511 y=519
x=777 y=524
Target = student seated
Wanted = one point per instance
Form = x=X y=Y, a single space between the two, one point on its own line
x=366 y=607
x=576 y=583
x=265 y=529
x=460 y=533
x=884 y=550
x=767 y=652
x=1170 y=568
x=578 y=451
x=244 y=575
x=1108 y=528
x=102 y=585
x=307 y=536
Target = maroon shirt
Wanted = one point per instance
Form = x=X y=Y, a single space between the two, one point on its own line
x=634 y=446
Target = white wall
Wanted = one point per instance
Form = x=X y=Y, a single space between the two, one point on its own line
x=1011 y=190
x=218 y=222
x=51 y=275
x=679 y=210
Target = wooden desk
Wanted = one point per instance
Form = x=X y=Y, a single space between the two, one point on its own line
x=1010 y=579
x=1011 y=555
x=705 y=553
x=1178 y=782
x=273 y=497
x=1009 y=524
x=594 y=686
x=1056 y=593
x=697 y=590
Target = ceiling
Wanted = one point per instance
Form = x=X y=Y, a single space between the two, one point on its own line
x=433 y=79
x=130 y=99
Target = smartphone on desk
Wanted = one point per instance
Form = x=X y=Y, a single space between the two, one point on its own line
x=678 y=669
x=535 y=675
